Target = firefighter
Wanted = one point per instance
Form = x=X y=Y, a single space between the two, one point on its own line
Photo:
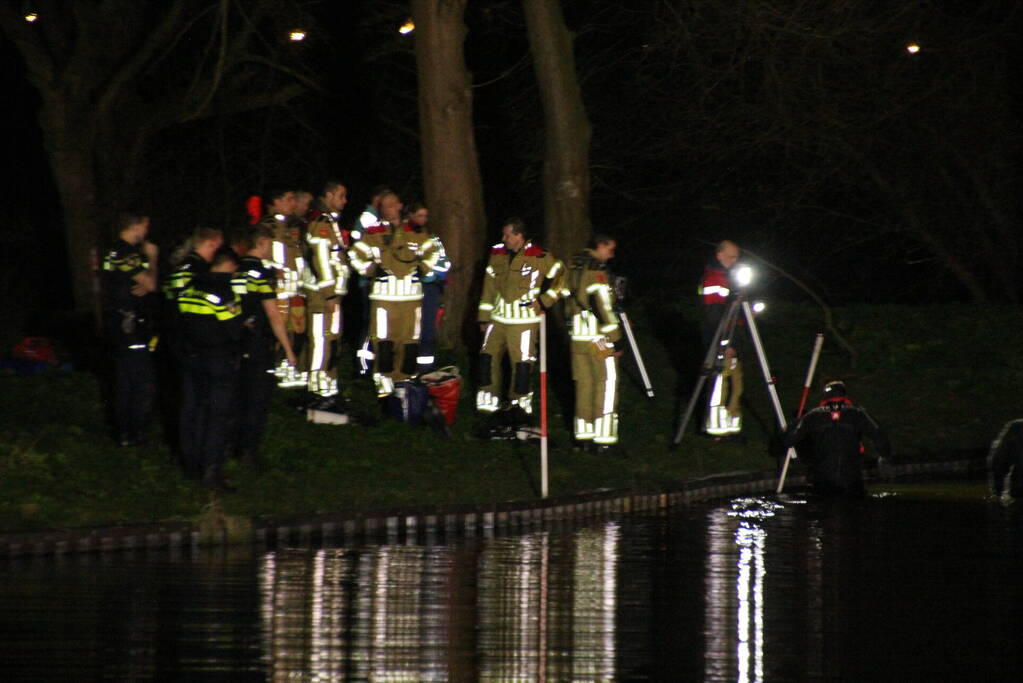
x=724 y=412
x=433 y=289
x=394 y=258
x=326 y=284
x=594 y=331
x=211 y=323
x=369 y=217
x=262 y=324
x=521 y=280
x=289 y=263
x=836 y=429
x=129 y=276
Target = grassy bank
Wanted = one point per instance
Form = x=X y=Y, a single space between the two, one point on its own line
x=939 y=379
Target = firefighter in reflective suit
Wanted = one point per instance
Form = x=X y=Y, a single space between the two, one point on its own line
x=326 y=282
x=595 y=331
x=288 y=260
x=394 y=257
x=836 y=429
x=522 y=279
x=724 y=412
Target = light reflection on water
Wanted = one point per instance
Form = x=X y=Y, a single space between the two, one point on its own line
x=746 y=590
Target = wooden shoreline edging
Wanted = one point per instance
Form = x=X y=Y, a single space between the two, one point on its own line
x=423 y=525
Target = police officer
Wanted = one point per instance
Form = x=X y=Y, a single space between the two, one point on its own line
x=326 y=284
x=394 y=258
x=522 y=278
x=193 y=258
x=836 y=429
x=255 y=282
x=594 y=331
x=724 y=411
x=211 y=323
x=129 y=276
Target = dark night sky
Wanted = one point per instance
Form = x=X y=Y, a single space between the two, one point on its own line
x=349 y=134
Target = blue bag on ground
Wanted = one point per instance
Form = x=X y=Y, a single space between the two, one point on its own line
x=409 y=402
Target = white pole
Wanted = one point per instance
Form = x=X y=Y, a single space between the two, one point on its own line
x=543 y=404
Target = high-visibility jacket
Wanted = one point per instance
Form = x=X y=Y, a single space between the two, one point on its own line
x=210 y=313
x=394 y=259
x=327 y=271
x=514 y=280
x=441 y=265
x=181 y=276
x=592 y=300
x=255 y=283
x=287 y=255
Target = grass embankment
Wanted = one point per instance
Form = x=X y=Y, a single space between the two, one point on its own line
x=939 y=379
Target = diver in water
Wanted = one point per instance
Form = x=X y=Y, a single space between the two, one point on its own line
x=836 y=429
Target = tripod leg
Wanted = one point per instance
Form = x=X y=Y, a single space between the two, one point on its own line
x=727 y=321
x=768 y=379
x=689 y=409
x=635 y=354
x=771 y=390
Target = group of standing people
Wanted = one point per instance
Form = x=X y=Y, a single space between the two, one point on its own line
x=233 y=319
x=522 y=280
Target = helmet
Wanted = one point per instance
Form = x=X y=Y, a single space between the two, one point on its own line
x=834 y=389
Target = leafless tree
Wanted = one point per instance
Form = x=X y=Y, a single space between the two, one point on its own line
x=110 y=75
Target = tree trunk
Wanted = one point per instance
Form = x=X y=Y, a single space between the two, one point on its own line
x=566 y=170
x=69 y=149
x=451 y=172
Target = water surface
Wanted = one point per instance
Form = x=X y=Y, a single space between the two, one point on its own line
x=915 y=583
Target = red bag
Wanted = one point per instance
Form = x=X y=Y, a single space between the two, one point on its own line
x=445 y=386
x=38 y=349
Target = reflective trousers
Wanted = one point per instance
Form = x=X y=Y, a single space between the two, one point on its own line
x=596 y=393
x=394 y=328
x=323 y=329
x=520 y=342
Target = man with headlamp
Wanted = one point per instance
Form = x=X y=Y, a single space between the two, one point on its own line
x=721 y=278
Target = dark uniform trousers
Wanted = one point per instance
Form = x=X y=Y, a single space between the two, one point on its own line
x=208 y=408
x=134 y=391
x=256 y=384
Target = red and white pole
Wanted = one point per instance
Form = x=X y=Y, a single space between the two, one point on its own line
x=817 y=344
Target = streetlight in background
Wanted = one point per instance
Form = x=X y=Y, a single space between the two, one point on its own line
x=407 y=28
x=297 y=35
x=913 y=48
x=31 y=17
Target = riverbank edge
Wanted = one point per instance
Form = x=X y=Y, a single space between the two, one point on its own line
x=412 y=525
